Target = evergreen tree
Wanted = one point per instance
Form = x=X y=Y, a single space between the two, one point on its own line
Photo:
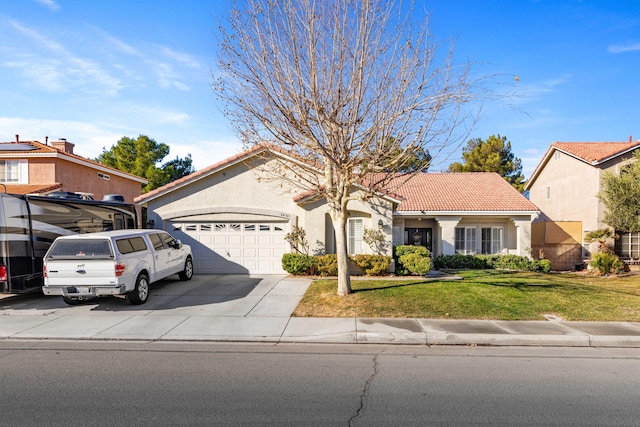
x=492 y=155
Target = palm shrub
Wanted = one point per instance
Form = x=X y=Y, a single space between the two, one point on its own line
x=373 y=265
x=605 y=263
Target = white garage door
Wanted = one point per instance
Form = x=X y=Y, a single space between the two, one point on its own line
x=235 y=247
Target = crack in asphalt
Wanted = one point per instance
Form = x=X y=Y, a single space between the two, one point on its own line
x=365 y=391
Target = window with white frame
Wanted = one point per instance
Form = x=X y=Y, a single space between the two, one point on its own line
x=466 y=240
x=491 y=240
x=355 y=229
x=14 y=171
x=628 y=245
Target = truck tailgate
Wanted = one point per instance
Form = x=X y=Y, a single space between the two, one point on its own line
x=75 y=273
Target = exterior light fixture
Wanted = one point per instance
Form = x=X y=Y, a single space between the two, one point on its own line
x=380 y=223
x=151 y=223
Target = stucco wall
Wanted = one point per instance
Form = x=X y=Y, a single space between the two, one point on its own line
x=42 y=171
x=76 y=177
x=573 y=185
x=235 y=192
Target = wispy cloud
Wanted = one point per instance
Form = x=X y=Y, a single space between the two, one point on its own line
x=49 y=4
x=97 y=62
x=624 y=48
x=49 y=65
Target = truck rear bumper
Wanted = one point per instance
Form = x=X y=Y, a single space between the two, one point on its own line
x=83 y=292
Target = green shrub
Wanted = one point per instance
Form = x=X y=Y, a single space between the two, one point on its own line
x=298 y=263
x=461 y=262
x=373 y=265
x=326 y=265
x=509 y=262
x=417 y=259
x=416 y=263
x=605 y=263
x=480 y=262
x=541 y=265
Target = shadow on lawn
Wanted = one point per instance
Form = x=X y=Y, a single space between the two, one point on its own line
x=355 y=289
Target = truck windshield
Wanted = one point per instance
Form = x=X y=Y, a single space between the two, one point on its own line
x=81 y=248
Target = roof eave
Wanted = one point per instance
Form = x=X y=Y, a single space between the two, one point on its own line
x=465 y=213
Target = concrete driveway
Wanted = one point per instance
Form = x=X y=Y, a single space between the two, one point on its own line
x=206 y=307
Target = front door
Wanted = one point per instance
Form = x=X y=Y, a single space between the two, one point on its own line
x=419 y=237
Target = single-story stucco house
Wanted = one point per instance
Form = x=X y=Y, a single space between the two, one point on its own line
x=236 y=223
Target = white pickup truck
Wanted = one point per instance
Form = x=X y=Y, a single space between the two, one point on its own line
x=122 y=262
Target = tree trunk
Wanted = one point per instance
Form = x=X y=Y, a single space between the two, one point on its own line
x=340 y=226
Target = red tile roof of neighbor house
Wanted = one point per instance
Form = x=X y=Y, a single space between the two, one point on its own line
x=37 y=149
x=461 y=192
x=595 y=152
x=31 y=188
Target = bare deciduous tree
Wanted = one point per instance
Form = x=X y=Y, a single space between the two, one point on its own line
x=358 y=88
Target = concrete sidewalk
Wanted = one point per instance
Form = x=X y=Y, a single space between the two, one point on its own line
x=258 y=309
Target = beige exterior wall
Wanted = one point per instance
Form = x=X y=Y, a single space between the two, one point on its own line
x=565 y=190
x=572 y=188
x=235 y=194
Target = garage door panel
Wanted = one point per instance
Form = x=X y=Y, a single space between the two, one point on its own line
x=265 y=252
x=205 y=240
x=236 y=247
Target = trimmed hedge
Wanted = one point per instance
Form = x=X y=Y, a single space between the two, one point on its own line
x=373 y=265
x=326 y=265
x=480 y=262
x=460 y=262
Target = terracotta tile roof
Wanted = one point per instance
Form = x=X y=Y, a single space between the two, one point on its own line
x=41 y=148
x=31 y=188
x=595 y=152
x=461 y=192
x=434 y=192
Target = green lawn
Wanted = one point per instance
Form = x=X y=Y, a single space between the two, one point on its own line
x=482 y=294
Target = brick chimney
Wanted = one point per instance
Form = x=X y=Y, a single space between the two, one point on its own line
x=63 y=145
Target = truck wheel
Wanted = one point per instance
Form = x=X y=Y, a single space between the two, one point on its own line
x=187 y=273
x=140 y=293
x=71 y=301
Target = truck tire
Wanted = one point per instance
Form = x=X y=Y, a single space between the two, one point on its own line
x=71 y=301
x=140 y=293
x=187 y=273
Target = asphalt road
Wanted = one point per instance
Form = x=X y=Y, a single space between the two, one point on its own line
x=108 y=383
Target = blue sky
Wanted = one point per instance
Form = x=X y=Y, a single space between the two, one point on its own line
x=95 y=71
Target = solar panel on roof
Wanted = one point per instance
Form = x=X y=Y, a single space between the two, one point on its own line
x=12 y=146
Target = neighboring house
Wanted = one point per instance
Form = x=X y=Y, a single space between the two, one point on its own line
x=565 y=183
x=30 y=167
x=236 y=223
